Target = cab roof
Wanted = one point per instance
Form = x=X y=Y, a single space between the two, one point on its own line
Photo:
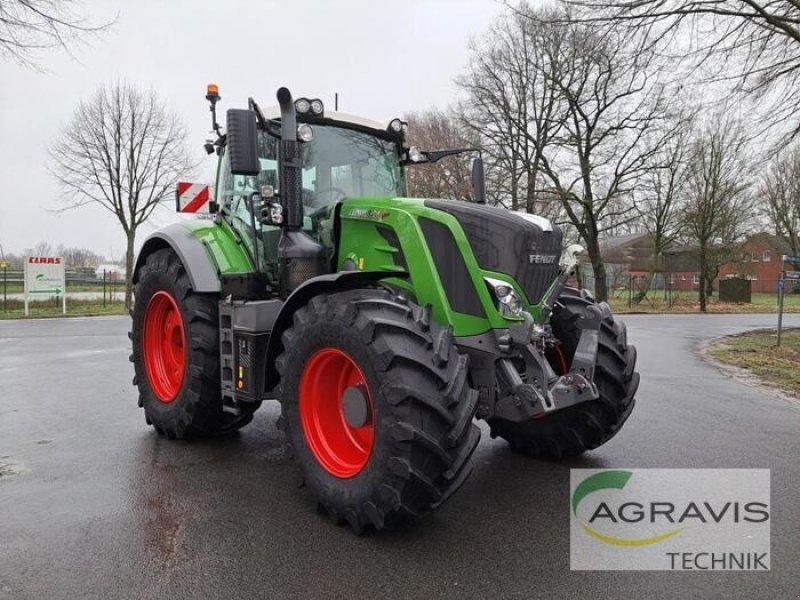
x=274 y=112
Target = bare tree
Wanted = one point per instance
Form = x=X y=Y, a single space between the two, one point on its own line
x=660 y=197
x=753 y=44
x=615 y=113
x=124 y=151
x=780 y=188
x=75 y=258
x=718 y=205
x=570 y=117
x=29 y=26
x=40 y=249
x=450 y=177
x=514 y=110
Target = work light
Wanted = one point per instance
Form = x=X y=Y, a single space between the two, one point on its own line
x=396 y=125
x=302 y=105
x=305 y=133
x=416 y=155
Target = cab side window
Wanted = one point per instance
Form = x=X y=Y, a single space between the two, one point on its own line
x=234 y=192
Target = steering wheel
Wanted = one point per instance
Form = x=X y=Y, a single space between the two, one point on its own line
x=332 y=190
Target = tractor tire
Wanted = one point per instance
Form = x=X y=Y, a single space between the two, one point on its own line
x=175 y=338
x=581 y=427
x=376 y=407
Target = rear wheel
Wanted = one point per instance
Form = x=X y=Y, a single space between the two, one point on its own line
x=175 y=339
x=585 y=426
x=376 y=407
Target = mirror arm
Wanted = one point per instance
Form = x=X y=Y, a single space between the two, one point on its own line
x=437 y=155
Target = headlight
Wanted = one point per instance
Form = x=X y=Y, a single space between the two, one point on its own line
x=305 y=133
x=317 y=107
x=508 y=302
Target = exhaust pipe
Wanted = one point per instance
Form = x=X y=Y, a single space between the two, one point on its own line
x=288 y=115
x=291 y=183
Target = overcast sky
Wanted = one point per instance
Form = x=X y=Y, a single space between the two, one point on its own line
x=384 y=59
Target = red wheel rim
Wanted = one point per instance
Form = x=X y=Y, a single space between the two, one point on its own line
x=561 y=362
x=343 y=450
x=164 y=346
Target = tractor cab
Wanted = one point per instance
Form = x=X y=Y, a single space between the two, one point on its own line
x=285 y=171
x=341 y=156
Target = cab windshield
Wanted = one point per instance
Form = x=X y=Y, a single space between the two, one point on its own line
x=337 y=163
x=340 y=163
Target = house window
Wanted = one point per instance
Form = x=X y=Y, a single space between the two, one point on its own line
x=753 y=257
x=696 y=279
x=765 y=256
x=751 y=277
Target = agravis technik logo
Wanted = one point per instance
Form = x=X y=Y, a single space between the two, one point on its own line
x=705 y=519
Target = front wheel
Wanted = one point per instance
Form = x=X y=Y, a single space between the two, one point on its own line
x=376 y=407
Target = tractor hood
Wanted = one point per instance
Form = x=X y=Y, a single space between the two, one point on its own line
x=523 y=246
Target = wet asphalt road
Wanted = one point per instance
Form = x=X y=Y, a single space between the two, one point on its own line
x=93 y=504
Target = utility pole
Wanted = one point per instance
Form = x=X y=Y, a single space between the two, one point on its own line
x=4 y=268
x=781 y=292
x=793 y=276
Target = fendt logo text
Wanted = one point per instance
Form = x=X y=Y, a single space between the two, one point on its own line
x=704 y=519
x=541 y=259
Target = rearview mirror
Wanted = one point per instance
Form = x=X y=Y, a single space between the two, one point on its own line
x=241 y=141
x=478 y=181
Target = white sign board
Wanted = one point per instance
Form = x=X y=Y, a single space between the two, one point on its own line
x=44 y=276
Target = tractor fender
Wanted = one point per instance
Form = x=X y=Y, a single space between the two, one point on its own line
x=199 y=266
x=343 y=280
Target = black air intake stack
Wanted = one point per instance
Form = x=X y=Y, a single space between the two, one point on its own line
x=291 y=182
x=301 y=256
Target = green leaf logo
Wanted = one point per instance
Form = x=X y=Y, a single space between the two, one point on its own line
x=615 y=480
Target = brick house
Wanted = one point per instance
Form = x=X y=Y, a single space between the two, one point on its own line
x=758 y=259
x=624 y=256
x=682 y=268
x=630 y=256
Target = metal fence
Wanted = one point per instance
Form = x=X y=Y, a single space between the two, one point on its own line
x=107 y=287
x=638 y=290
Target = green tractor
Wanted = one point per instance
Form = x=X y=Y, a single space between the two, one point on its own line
x=384 y=325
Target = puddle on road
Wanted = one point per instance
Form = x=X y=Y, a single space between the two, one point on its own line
x=8 y=469
x=162 y=529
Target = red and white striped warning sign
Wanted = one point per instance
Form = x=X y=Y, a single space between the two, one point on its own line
x=192 y=197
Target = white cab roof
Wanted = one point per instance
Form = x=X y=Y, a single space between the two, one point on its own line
x=274 y=112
